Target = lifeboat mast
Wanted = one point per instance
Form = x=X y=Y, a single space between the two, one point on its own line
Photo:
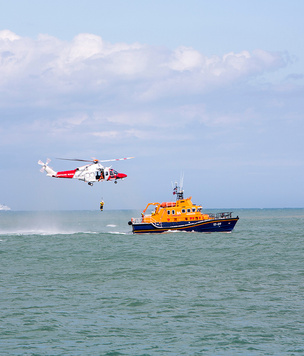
x=178 y=191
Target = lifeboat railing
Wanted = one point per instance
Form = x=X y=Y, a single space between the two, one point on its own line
x=151 y=220
x=224 y=215
x=136 y=220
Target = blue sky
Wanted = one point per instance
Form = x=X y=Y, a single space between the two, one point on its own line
x=213 y=89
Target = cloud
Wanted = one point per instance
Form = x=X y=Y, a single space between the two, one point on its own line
x=90 y=63
x=7 y=35
x=185 y=58
x=231 y=65
x=88 y=88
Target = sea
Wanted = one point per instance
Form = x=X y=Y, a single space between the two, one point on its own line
x=80 y=283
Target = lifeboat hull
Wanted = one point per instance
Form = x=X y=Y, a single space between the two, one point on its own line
x=212 y=225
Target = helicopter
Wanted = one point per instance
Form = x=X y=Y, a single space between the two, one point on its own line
x=89 y=173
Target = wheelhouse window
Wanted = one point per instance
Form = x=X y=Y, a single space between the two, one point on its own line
x=193 y=210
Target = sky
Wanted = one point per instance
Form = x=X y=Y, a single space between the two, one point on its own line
x=211 y=90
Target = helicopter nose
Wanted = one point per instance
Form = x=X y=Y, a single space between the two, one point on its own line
x=121 y=176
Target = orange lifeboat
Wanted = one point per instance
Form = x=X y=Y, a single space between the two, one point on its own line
x=181 y=215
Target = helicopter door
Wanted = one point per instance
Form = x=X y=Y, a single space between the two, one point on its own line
x=100 y=174
x=107 y=173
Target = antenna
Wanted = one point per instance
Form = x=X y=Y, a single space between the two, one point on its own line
x=181 y=183
x=178 y=190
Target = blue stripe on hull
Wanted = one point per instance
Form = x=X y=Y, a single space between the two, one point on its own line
x=219 y=225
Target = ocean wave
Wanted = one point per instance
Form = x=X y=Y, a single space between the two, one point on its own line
x=39 y=232
x=43 y=232
x=117 y=233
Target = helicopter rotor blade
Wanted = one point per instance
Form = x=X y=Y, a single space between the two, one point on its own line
x=115 y=159
x=75 y=159
x=94 y=160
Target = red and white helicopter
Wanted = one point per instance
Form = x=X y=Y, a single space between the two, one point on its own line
x=89 y=173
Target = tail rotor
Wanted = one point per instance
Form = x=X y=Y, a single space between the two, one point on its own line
x=45 y=167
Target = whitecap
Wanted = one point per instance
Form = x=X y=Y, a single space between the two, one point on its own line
x=117 y=233
x=43 y=232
